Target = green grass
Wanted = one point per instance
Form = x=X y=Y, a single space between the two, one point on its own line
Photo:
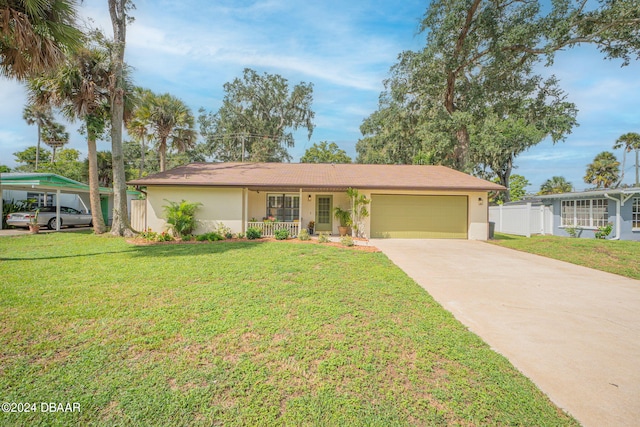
x=614 y=256
x=244 y=333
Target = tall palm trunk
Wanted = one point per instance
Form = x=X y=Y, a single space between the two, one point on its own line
x=162 y=149
x=637 y=174
x=121 y=225
x=94 y=185
x=38 y=146
x=143 y=148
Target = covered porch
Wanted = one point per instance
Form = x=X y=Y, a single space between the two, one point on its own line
x=272 y=209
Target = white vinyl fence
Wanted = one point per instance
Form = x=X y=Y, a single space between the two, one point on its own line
x=522 y=220
x=139 y=215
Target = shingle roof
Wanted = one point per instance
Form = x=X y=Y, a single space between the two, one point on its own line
x=315 y=175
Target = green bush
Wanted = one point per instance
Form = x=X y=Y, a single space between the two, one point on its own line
x=11 y=207
x=181 y=217
x=304 y=234
x=572 y=231
x=347 y=240
x=224 y=231
x=323 y=237
x=152 y=236
x=240 y=236
x=209 y=237
x=281 y=234
x=254 y=233
x=603 y=232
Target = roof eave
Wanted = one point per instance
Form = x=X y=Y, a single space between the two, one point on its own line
x=303 y=186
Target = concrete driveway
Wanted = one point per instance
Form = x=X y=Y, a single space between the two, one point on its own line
x=574 y=331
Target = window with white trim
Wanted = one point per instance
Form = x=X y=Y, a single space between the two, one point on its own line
x=39 y=199
x=586 y=213
x=635 y=214
x=283 y=207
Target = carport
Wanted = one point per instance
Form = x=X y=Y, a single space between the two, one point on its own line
x=51 y=183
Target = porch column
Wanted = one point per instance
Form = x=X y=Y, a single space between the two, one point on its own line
x=300 y=212
x=57 y=208
x=245 y=209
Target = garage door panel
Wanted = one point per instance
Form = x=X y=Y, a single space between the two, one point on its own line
x=402 y=216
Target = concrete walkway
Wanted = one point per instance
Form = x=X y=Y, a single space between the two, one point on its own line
x=574 y=331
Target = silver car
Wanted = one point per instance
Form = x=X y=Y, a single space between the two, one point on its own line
x=47 y=217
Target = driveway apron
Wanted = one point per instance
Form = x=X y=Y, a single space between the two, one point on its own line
x=574 y=331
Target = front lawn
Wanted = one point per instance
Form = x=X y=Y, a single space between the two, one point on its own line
x=242 y=333
x=615 y=256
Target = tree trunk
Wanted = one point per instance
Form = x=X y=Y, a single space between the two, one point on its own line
x=120 y=225
x=38 y=147
x=461 y=151
x=624 y=161
x=94 y=186
x=637 y=176
x=162 y=149
x=143 y=149
x=504 y=176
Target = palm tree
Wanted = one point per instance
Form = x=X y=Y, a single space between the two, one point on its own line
x=628 y=142
x=39 y=115
x=139 y=124
x=55 y=136
x=35 y=34
x=81 y=89
x=172 y=122
x=603 y=171
x=555 y=185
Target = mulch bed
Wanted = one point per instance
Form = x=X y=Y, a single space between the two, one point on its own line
x=364 y=248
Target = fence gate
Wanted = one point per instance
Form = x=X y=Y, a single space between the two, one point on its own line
x=522 y=220
x=139 y=215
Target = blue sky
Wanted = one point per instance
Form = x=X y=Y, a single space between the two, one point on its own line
x=191 y=48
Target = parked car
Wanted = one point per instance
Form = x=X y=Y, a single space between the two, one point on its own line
x=47 y=217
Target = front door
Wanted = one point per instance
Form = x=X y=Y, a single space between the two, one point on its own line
x=323 y=213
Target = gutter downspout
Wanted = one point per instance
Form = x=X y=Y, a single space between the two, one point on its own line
x=618 y=216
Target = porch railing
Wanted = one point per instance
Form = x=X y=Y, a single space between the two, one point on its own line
x=269 y=228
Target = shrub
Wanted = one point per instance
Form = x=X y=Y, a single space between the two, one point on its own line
x=148 y=235
x=323 y=238
x=572 y=231
x=240 y=236
x=152 y=236
x=181 y=217
x=224 y=231
x=209 y=237
x=603 y=232
x=254 y=233
x=281 y=234
x=346 y=240
x=304 y=234
x=164 y=237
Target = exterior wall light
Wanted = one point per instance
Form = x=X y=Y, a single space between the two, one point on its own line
x=480 y=201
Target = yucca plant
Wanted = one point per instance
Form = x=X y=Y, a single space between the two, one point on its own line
x=181 y=217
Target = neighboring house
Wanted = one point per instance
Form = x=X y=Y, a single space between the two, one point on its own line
x=48 y=188
x=589 y=210
x=406 y=201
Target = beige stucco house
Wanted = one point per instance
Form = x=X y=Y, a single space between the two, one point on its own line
x=407 y=201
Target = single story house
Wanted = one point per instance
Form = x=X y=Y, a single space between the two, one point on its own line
x=589 y=210
x=49 y=188
x=406 y=201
